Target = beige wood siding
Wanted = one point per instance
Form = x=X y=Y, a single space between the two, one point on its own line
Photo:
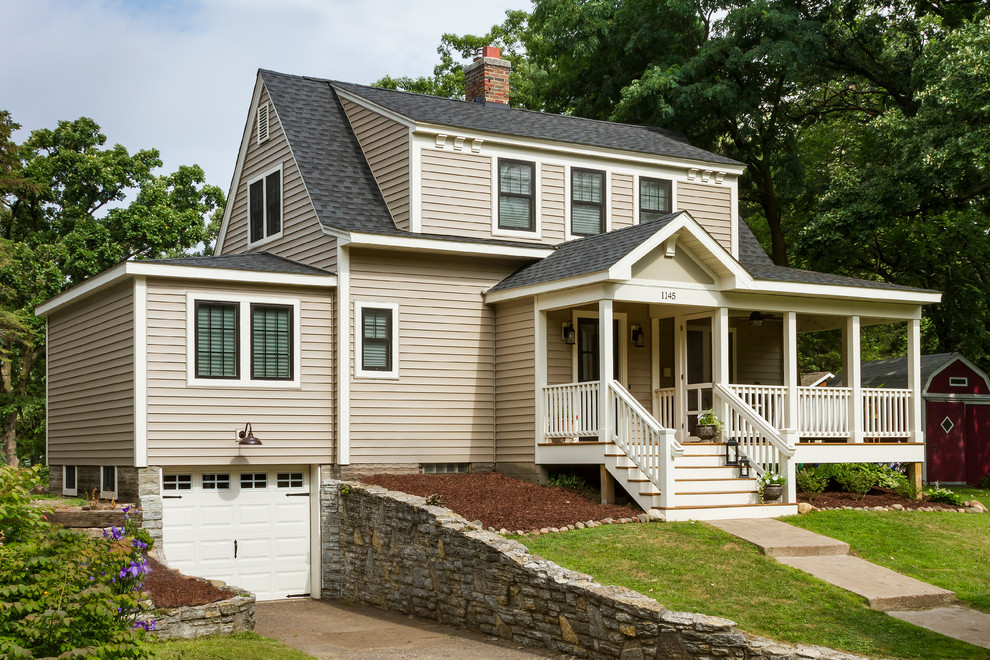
x=622 y=201
x=457 y=194
x=441 y=407
x=386 y=147
x=302 y=238
x=639 y=369
x=552 y=191
x=196 y=425
x=515 y=381
x=91 y=380
x=711 y=206
x=759 y=353
x=560 y=356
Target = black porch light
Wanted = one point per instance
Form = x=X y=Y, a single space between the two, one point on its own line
x=247 y=437
x=744 y=467
x=756 y=319
x=732 y=452
x=567 y=332
x=637 y=336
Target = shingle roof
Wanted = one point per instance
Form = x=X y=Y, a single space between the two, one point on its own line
x=893 y=372
x=531 y=124
x=584 y=256
x=263 y=262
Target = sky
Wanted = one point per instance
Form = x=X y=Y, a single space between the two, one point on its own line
x=177 y=75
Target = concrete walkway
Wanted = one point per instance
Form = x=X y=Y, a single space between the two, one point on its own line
x=884 y=589
x=331 y=629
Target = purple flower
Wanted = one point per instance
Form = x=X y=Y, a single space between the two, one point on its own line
x=126 y=509
x=145 y=625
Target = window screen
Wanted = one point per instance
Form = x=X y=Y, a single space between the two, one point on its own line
x=376 y=345
x=516 y=195
x=654 y=199
x=216 y=340
x=587 y=202
x=271 y=342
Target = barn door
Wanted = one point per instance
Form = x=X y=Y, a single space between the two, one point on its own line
x=977 y=443
x=946 y=441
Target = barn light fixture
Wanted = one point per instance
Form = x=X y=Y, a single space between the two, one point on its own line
x=756 y=319
x=636 y=336
x=247 y=437
x=567 y=332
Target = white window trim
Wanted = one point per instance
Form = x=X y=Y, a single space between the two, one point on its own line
x=655 y=177
x=244 y=380
x=496 y=198
x=264 y=189
x=104 y=493
x=360 y=372
x=607 y=193
x=72 y=491
x=958 y=381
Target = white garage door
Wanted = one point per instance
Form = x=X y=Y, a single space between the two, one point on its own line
x=248 y=527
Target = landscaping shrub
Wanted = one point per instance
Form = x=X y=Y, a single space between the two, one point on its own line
x=63 y=592
x=942 y=494
x=858 y=482
x=812 y=482
x=859 y=478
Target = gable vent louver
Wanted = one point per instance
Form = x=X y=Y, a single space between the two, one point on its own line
x=262 y=123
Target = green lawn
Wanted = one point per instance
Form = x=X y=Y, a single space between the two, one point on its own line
x=971 y=493
x=697 y=568
x=242 y=646
x=950 y=550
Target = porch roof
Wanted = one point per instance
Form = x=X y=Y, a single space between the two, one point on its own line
x=894 y=372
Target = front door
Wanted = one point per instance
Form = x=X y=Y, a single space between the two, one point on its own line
x=698 y=369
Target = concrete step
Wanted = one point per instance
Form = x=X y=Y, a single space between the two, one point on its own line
x=956 y=621
x=736 y=511
x=703 y=485
x=777 y=539
x=882 y=588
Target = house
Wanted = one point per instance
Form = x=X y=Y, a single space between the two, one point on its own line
x=816 y=379
x=955 y=412
x=410 y=283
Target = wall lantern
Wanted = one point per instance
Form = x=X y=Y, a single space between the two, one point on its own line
x=567 y=332
x=247 y=437
x=637 y=336
x=732 y=452
x=756 y=319
x=743 y=467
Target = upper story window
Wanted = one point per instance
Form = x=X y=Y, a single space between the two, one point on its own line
x=654 y=199
x=242 y=340
x=377 y=340
x=216 y=340
x=517 y=195
x=587 y=202
x=265 y=206
x=271 y=342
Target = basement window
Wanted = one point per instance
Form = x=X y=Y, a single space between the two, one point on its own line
x=958 y=381
x=445 y=468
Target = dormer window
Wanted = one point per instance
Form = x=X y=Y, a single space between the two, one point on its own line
x=587 y=202
x=265 y=206
x=654 y=199
x=516 y=196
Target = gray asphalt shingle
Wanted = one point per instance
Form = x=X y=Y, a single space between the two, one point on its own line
x=262 y=262
x=893 y=372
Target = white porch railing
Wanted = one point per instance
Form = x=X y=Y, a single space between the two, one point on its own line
x=766 y=400
x=571 y=410
x=758 y=439
x=886 y=413
x=663 y=403
x=823 y=412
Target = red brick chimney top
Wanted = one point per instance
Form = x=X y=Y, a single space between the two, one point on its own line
x=491 y=51
x=486 y=79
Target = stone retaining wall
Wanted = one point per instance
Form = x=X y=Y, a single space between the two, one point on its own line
x=392 y=551
x=236 y=614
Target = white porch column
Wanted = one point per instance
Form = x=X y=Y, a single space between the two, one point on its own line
x=791 y=431
x=915 y=423
x=720 y=356
x=540 y=330
x=851 y=368
x=680 y=379
x=605 y=369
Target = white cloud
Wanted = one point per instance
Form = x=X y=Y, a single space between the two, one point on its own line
x=177 y=75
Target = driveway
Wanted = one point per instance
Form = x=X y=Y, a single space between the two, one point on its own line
x=330 y=629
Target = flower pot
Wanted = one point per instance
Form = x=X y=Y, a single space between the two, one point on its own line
x=772 y=492
x=706 y=432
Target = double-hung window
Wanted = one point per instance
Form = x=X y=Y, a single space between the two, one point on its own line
x=265 y=206
x=243 y=341
x=516 y=195
x=377 y=336
x=587 y=202
x=654 y=199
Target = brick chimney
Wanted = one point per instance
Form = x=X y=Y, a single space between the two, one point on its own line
x=486 y=80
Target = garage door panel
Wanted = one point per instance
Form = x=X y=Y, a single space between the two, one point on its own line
x=272 y=533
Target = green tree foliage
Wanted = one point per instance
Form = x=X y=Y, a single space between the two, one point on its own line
x=70 y=208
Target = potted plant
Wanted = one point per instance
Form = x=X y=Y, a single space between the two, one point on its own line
x=770 y=485
x=708 y=426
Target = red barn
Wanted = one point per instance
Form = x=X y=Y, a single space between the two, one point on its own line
x=956 y=411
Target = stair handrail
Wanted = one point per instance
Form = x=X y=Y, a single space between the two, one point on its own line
x=756 y=419
x=676 y=448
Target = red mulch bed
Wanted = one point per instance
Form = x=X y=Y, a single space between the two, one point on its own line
x=503 y=502
x=876 y=497
x=171 y=589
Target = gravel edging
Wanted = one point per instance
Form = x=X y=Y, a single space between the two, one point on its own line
x=654 y=516
x=969 y=506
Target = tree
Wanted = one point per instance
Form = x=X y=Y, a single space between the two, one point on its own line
x=65 y=216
